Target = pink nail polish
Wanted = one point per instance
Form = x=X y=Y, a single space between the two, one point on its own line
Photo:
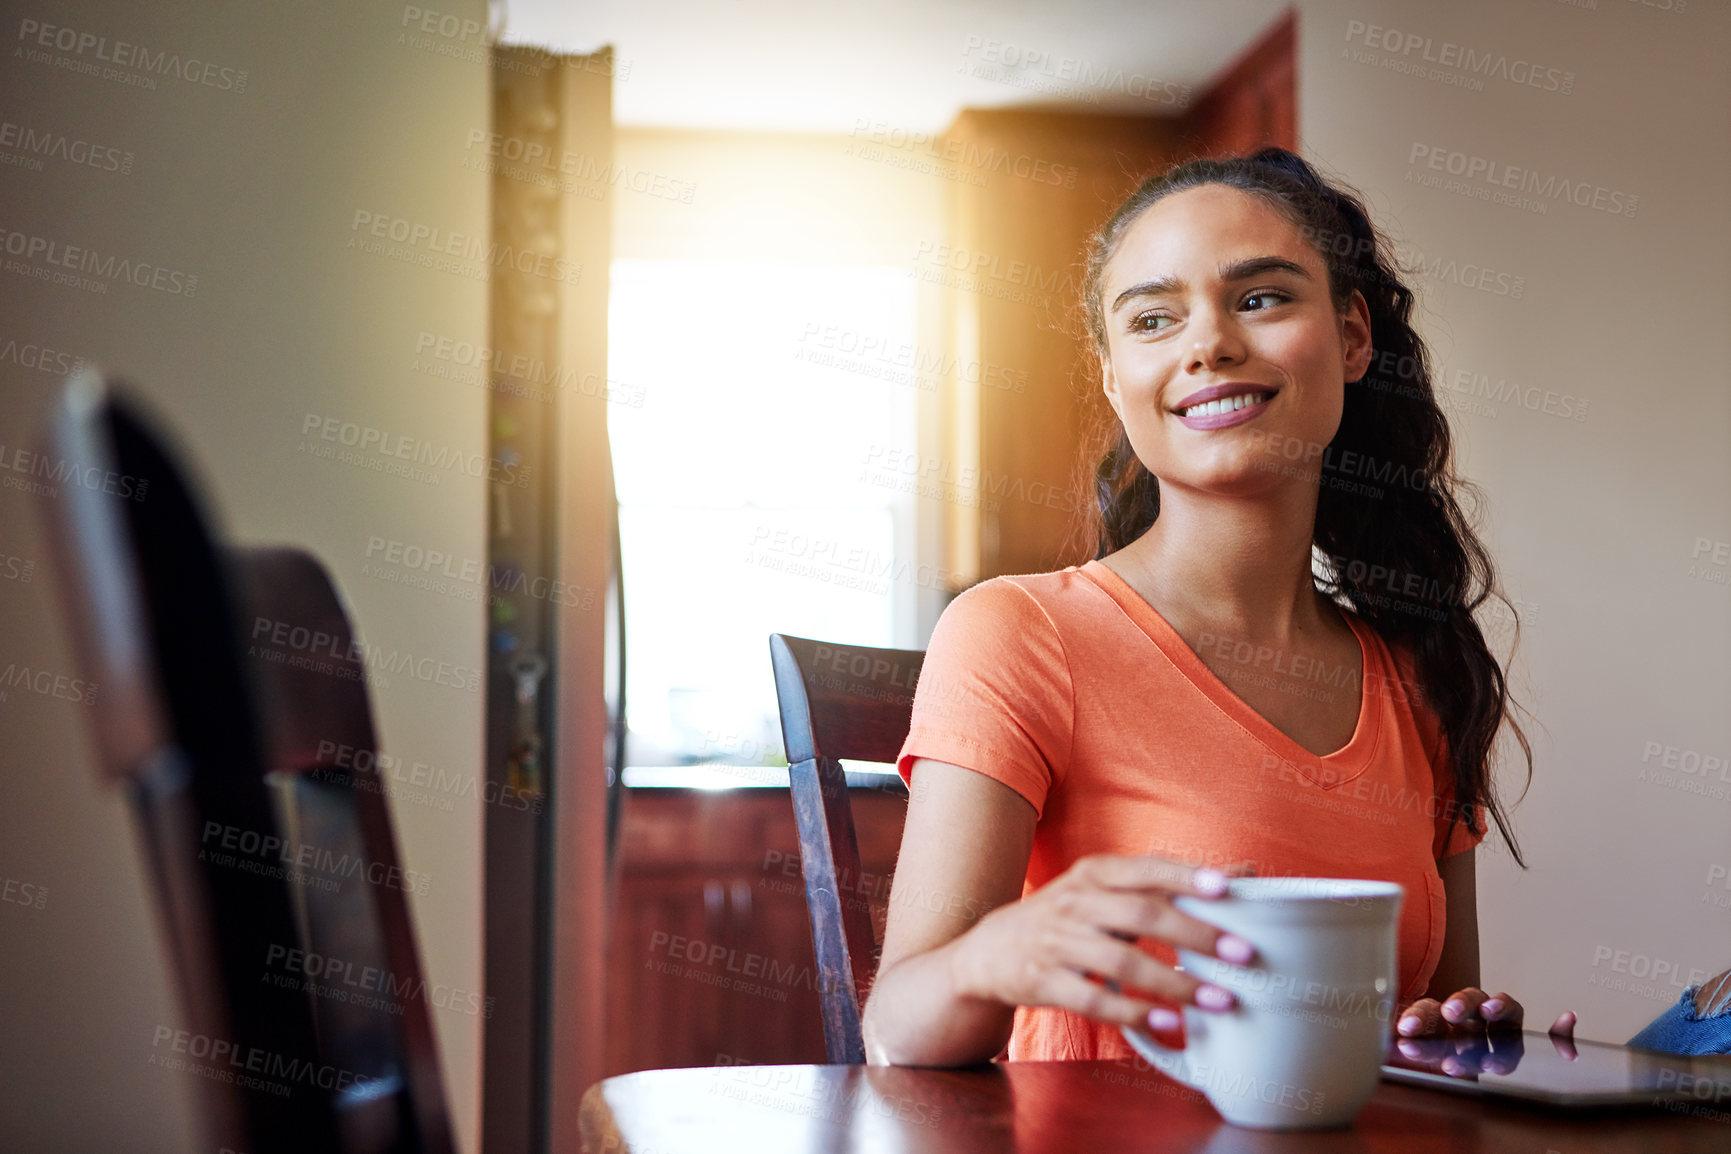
x=1492 y=1005
x=1234 y=949
x=1214 y=998
x=1209 y=881
x=1410 y=1025
x=1162 y=1019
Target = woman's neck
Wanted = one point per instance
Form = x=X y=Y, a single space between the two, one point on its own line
x=1235 y=566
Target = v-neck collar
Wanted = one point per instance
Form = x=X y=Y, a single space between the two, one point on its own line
x=1339 y=767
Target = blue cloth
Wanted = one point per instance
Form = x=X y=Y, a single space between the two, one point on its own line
x=1680 y=1030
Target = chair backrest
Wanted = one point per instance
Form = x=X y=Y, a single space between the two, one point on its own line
x=357 y=956
x=238 y=715
x=838 y=702
x=151 y=611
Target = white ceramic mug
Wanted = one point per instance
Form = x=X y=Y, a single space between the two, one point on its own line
x=1303 y=1048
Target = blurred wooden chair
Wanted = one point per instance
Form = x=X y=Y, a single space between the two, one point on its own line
x=197 y=728
x=152 y=613
x=838 y=702
x=372 y=1004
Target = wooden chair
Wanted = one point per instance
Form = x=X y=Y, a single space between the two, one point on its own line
x=350 y=901
x=852 y=702
x=151 y=610
x=202 y=736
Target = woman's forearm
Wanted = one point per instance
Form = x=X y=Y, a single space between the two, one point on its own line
x=921 y=1013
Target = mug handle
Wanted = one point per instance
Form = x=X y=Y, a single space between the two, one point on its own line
x=1172 y=1063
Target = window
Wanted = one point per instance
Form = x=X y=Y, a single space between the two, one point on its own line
x=747 y=502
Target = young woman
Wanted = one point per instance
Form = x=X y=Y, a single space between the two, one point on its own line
x=1271 y=666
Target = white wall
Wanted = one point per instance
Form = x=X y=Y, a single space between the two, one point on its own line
x=253 y=191
x=1595 y=522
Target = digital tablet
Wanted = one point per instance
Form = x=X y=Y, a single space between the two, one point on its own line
x=1538 y=1068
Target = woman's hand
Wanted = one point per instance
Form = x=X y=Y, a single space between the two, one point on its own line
x=1563 y=1035
x=1470 y=1009
x=1465 y=1054
x=1045 y=949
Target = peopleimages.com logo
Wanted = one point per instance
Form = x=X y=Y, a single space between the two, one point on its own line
x=88 y=268
x=132 y=63
x=301 y=647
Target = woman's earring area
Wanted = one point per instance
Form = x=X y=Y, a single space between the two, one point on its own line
x=1109 y=386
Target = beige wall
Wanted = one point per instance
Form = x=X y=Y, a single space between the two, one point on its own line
x=1595 y=522
x=254 y=192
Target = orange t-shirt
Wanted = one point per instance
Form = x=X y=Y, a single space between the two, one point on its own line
x=1070 y=689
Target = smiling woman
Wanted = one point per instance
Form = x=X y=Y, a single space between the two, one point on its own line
x=1372 y=454
x=1270 y=666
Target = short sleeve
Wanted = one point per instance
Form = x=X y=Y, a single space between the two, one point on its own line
x=994 y=693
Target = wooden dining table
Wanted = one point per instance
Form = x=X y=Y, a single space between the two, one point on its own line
x=1104 y=1107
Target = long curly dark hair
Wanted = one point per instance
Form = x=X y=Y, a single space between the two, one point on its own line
x=1392 y=540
